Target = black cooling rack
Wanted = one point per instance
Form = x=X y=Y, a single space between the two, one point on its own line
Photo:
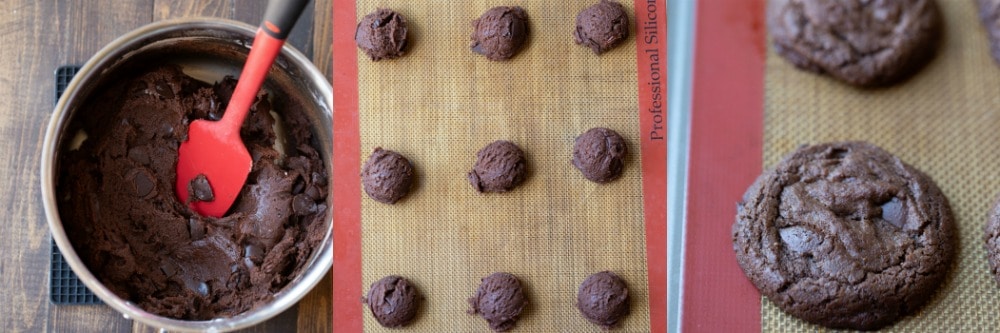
x=64 y=286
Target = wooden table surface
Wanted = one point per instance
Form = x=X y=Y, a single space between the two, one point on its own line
x=37 y=36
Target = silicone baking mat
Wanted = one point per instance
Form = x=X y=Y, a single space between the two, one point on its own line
x=942 y=121
x=441 y=103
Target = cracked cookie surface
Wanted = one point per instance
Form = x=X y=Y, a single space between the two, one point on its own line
x=844 y=235
x=861 y=42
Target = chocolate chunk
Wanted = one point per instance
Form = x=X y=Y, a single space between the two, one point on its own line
x=169 y=268
x=893 y=212
x=200 y=190
x=139 y=155
x=299 y=186
x=163 y=88
x=203 y=289
x=500 y=300
x=603 y=299
x=314 y=192
x=143 y=183
x=253 y=252
x=393 y=301
x=602 y=26
x=387 y=176
x=845 y=235
x=302 y=204
x=599 y=153
x=500 y=32
x=382 y=35
x=196 y=229
x=500 y=166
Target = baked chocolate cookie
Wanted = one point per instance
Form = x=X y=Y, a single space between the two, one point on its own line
x=382 y=34
x=861 y=42
x=387 y=176
x=845 y=235
x=989 y=14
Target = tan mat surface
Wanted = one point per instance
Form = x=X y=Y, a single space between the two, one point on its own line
x=944 y=121
x=439 y=104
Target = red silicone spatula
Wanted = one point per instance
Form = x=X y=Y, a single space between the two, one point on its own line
x=214 y=148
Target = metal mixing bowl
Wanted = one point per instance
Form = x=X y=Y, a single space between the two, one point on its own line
x=207 y=49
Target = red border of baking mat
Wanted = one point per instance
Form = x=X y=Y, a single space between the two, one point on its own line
x=727 y=120
x=651 y=59
x=346 y=191
x=651 y=35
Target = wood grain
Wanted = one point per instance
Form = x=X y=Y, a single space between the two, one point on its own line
x=250 y=12
x=323 y=37
x=48 y=34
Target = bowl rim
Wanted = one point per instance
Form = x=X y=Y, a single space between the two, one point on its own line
x=110 y=54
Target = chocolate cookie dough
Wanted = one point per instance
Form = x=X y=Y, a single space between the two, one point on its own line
x=500 y=300
x=500 y=32
x=989 y=14
x=387 y=176
x=602 y=26
x=382 y=35
x=119 y=207
x=393 y=301
x=861 y=42
x=603 y=299
x=500 y=166
x=845 y=235
x=599 y=153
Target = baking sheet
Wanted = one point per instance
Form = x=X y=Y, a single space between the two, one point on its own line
x=943 y=121
x=441 y=103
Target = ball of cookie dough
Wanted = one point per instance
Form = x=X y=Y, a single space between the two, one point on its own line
x=989 y=15
x=861 y=42
x=992 y=231
x=393 y=301
x=500 y=32
x=500 y=300
x=382 y=34
x=500 y=166
x=845 y=235
x=602 y=26
x=603 y=299
x=599 y=153
x=386 y=176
